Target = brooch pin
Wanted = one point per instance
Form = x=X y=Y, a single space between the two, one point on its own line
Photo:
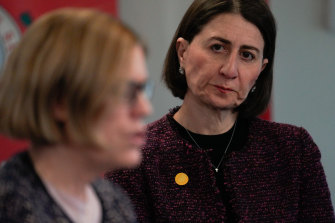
x=181 y=179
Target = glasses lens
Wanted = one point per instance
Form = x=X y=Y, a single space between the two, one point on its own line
x=134 y=90
x=149 y=89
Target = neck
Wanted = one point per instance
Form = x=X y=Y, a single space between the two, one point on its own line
x=203 y=119
x=67 y=169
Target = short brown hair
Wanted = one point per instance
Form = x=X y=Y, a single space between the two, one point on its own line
x=196 y=17
x=69 y=56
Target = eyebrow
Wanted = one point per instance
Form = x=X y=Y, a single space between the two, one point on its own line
x=137 y=85
x=229 y=43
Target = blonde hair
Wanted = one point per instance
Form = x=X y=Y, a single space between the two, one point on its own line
x=71 y=57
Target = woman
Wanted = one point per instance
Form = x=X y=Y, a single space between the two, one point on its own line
x=73 y=88
x=212 y=160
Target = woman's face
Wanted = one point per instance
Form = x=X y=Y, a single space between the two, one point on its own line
x=120 y=128
x=223 y=61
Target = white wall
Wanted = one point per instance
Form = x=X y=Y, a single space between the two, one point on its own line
x=156 y=22
x=304 y=69
x=305 y=74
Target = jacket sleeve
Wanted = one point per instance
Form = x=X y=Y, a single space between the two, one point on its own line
x=14 y=208
x=315 y=202
x=134 y=183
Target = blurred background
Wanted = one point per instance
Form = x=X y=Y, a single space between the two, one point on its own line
x=304 y=76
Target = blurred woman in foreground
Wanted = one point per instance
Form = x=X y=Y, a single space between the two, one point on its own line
x=73 y=87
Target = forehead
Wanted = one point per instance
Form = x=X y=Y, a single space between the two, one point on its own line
x=136 y=68
x=234 y=28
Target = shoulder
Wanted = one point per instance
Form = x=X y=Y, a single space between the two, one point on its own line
x=277 y=130
x=106 y=187
x=163 y=131
x=15 y=191
x=162 y=135
x=15 y=172
x=162 y=125
x=158 y=127
x=116 y=204
x=281 y=135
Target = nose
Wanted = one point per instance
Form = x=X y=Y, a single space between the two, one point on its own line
x=142 y=107
x=229 y=68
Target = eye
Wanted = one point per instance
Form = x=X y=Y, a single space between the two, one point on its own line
x=134 y=89
x=217 y=48
x=247 y=56
x=131 y=94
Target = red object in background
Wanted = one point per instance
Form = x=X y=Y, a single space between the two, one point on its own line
x=24 y=12
x=35 y=8
x=9 y=147
x=267 y=115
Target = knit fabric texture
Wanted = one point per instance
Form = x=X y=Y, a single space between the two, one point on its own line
x=276 y=177
x=24 y=198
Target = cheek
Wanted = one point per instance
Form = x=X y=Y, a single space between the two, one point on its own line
x=113 y=131
x=109 y=130
x=247 y=81
x=122 y=153
x=198 y=70
x=252 y=81
x=252 y=77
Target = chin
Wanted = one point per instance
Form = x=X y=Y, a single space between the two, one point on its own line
x=132 y=159
x=218 y=106
x=219 y=103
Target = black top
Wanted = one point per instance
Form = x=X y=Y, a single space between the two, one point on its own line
x=215 y=146
x=24 y=198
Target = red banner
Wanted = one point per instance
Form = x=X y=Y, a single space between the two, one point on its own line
x=15 y=16
x=25 y=11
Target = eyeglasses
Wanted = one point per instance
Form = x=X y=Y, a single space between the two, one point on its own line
x=133 y=90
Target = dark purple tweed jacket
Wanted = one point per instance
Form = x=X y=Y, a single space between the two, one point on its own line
x=276 y=177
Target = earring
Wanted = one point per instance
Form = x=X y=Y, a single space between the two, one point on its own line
x=181 y=70
x=253 y=89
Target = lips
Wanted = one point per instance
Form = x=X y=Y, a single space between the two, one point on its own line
x=223 y=89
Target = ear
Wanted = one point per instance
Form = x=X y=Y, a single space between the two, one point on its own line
x=265 y=62
x=60 y=111
x=181 y=47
